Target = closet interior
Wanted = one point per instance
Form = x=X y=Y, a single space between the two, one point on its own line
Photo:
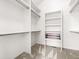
x=38 y=28
x=53 y=26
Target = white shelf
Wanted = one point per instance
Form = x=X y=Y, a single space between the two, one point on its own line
x=53 y=18
x=52 y=31
x=52 y=25
x=3 y=34
x=53 y=42
x=52 y=39
x=74 y=5
x=75 y=31
x=53 y=21
x=35 y=30
x=23 y=3
x=35 y=12
x=54 y=28
x=54 y=12
x=35 y=7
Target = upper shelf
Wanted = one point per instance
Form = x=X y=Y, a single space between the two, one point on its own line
x=35 y=12
x=35 y=9
x=74 y=5
x=23 y=3
x=35 y=30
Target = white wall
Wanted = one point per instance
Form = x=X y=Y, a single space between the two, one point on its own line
x=70 y=40
x=12 y=17
x=53 y=5
x=71 y=23
x=12 y=20
x=13 y=45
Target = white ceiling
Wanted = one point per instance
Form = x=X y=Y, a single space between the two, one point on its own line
x=38 y=2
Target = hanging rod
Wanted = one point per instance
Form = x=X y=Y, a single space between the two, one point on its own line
x=23 y=3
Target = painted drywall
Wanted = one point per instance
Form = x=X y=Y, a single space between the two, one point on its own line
x=12 y=17
x=13 y=45
x=70 y=39
x=12 y=20
x=71 y=24
x=53 y=5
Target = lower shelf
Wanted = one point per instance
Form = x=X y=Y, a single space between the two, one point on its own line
x=53 y=42
x=75 y=31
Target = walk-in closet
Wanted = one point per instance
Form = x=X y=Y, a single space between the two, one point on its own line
x=39 y=29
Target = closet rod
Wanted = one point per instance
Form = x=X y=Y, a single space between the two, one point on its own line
x=23 y=3
x=12 y=33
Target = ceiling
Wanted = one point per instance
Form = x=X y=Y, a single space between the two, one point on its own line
x=37 y=2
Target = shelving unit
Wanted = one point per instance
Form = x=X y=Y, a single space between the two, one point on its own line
x=26 y=4
x=35 y=18
x=52 y=23
x=53 y=28
x=32 y=18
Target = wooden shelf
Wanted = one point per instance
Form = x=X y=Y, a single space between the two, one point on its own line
x=23 y=3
